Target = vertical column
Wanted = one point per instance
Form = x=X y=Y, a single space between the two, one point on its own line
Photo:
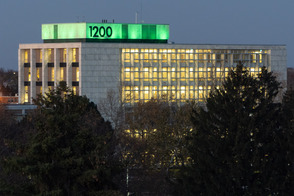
x=80 y=67
x=69 y=68
x=56 y=68
x=21 y=88
x=33 y=75
x=45 y=61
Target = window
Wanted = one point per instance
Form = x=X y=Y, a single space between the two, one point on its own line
x=146 y=74
x=39 y=56
x=26 y=56
x=63 y=53
x=75 y=74
x=191 y=73
x=50 y=73
x=62 y=74
x=154 y=92
x=50 y=55
x=136 y=57
x=164 y=73
x=136 y=74
x=183 y=92
x=26 y=94
x=127 y=57
x=155 y=74
x=173 y=73
x=75 y=90
x=39 y=73
x=75 y=55
x=146 y=93
x=127 y=74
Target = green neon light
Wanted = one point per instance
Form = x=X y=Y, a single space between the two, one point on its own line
x=105 y=31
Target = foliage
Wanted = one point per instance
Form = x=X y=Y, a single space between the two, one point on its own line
x=68 y=148
x=238 y=144
x=8 y=82
x=154 y=142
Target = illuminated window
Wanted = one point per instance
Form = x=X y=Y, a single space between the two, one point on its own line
x=173 y=92
x=136 y=74
x=191 y=92
x=227 y=72
x=183 y=73
x=127 y=74
x=136 y=57
x=146 y=73
x=39 y=74
x=164 y=92
x=155 y=73
x=155 y=57
x=50 y=55
x=191 y=73
x=62 y=73
x=26 y=56
x=164 y=58
x=146 y=57
x=146 y=92
x=173 y=73
x=127 y=57
x=136 y=92
x=191 y=57
x=154 y=92
x=75 y=90
x=218 y=72
x=29 y=74
x=63 y=53
x=201 y=58
x=182 y=58
x=26 y=94
x=173 y=58
x=201 y=73
x=209 y=75
x=77 y=74
x=127 y=90
x=164 y=73
x=183 y=92
x=201 y=92
x=50 y=73
x=75 y=55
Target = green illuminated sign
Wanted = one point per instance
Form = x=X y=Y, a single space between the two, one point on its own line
x=105 y=32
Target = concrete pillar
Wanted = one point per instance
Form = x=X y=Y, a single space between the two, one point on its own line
x=33 y=75
x=21 y=90
x=69 y=68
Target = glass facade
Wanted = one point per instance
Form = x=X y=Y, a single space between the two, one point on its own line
x=179 y=75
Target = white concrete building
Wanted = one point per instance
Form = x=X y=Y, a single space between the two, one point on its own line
x=138 y=71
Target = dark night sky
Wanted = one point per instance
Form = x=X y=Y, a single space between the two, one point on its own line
x=191 y=21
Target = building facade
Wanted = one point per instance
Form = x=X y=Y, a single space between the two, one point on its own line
x=137 y=71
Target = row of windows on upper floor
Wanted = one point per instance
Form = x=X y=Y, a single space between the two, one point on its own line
x=184 y=93
x=183 y=73
x=51 y=74
x=39 y=89
x=49 y=55
x=215 y=51
x=210 y=58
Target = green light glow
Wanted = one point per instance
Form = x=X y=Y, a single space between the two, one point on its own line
x=105 y=31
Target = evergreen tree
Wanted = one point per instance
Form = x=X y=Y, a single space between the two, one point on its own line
x=68 y=149
x=238 y=144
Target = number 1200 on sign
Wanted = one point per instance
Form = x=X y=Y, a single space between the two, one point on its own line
x=96 y=31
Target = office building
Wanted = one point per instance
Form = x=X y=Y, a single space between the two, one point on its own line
x=136 y=61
